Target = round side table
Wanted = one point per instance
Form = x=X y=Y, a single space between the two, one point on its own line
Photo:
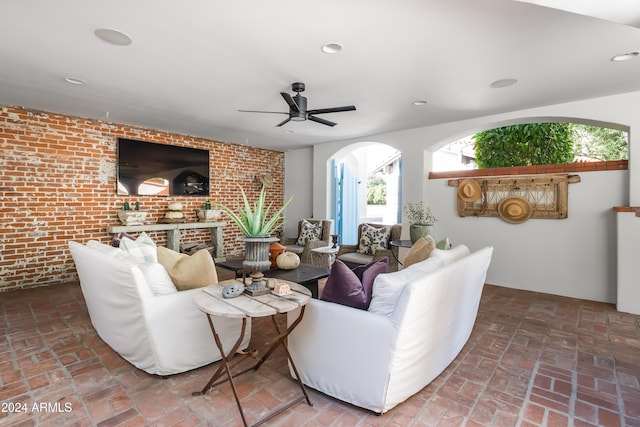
x=324 y=256
x=399 y=244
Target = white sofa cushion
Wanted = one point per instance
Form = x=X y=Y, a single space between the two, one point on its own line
x=388 y=287
x=149 y=276
x=450 y=255
x=157 y=278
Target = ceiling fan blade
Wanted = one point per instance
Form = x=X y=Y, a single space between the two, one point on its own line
x=332 y=110
x=290 y=101
x=323 y=121
x=283 y=122
x=257 y=111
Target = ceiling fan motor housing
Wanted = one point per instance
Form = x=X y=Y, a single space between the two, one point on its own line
x=298 y=108
x=297 y=87
x=301 y=114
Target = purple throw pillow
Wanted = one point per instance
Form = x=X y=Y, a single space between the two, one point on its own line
x=352 y=287
x=367 y=274
x=115 y=242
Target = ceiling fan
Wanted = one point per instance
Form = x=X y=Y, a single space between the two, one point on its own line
x=298 y=108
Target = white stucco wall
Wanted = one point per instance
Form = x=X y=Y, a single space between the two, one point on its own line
x=573 y=257
x=298 y=182
x=628 y=266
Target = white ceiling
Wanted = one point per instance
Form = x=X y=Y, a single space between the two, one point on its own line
x=193 y=64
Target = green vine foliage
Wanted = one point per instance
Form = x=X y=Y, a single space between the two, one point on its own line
x=600 y=143
x=525 y=145
x=376 y=190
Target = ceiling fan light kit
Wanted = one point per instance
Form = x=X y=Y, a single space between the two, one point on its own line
x=298 y=108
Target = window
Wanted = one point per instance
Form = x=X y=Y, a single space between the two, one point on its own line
x=550 y=143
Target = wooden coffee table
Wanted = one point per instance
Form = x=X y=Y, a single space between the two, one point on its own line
x=215 y=306
x=306 y=275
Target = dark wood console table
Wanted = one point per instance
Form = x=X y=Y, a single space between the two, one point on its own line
x=173 y=233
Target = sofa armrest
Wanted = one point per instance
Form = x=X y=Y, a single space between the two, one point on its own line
x=344 y=352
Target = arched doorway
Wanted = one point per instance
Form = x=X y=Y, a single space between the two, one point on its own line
x=352 y=169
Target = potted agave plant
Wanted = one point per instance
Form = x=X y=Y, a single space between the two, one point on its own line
x=421 y=220
x=257 y=222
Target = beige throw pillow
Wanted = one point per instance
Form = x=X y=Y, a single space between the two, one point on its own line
x=188 y=271
x=420 y=251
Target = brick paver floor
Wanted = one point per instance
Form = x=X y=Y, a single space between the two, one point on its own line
x=532 y=360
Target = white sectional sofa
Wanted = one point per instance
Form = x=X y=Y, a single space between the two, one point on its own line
x=418 y=321
x=160 y=332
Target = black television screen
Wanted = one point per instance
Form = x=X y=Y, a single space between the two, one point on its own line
x=146 y=168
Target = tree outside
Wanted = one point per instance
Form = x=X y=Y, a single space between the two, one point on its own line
x=598 y=143
x=524 y=145
x=376 y=190
x=548 y=143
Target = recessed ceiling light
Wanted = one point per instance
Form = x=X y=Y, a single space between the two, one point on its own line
x=421 y=102
x=113 y=36
x=333 y=47
x=625 y=56
x=74 y=80
x=503 y=83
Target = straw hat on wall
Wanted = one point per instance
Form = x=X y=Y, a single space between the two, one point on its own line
x=515 y=209
x=469 y=190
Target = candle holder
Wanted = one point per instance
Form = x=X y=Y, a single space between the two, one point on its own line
x=334 y=240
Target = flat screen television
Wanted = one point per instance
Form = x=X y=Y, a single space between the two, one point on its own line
x=147 y=168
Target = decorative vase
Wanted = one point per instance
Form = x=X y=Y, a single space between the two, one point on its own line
x=208 y=215
x=132 y=217
x=418 y=231
x=256 y=261
x=275 y=249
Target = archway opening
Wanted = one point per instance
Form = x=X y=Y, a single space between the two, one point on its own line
x=366 y=187
x=527 y=142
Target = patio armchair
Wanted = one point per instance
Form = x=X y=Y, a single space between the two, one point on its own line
x=352 y=258
x=304 y=251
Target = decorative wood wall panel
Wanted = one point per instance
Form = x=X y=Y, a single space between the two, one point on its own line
x=548 y=194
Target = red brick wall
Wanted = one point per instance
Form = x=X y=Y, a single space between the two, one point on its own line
x=535 y=169
x=58 y=183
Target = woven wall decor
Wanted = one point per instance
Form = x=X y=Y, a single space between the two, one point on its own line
x=514 y=198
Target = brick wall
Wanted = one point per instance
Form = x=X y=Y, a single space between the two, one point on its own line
x=58 y=183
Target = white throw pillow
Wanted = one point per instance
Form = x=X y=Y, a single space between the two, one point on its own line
x=157 y=278
x=143 y=248
x=102 y=248
x=388 y=287
x=453 y=254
